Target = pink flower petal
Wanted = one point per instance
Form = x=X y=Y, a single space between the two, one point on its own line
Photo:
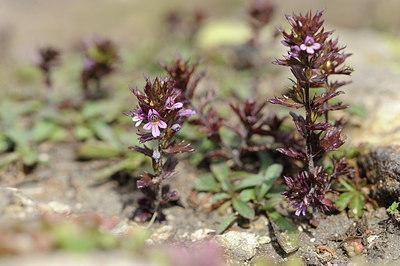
x=162 y=124
x=147 y=126
x=155 y=131
x=316 y=46
x=177 y=105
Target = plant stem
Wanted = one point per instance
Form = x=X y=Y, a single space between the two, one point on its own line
x=157 y=168
x=310 y=158
x=157 y=207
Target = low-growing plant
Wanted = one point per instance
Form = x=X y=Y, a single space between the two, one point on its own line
x=100 y=59
x=247 y=194
x=49 y=57
x=260 y=13
x=161 y=113
x=392 y=210
x=313 y=58
x=352 y=197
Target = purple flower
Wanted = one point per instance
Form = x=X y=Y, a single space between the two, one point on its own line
x=301 y=209
x=154 y=123
x=186 y=113
x=170 y=104
x=294 y=52
x=310 y=45
x=139 y=117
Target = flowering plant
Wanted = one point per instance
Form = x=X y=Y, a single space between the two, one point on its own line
x=161 y=115
x=49 y=58
x=313 y=58
x=100 y=59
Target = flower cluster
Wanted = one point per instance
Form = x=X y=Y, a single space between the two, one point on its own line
x=159 y=109
x=312 y=58
x=161 y=114
x=100 y=59
x=181 y=73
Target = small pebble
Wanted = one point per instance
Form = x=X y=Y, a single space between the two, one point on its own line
x=264 y=240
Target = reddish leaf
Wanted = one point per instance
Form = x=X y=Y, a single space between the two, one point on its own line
x=146 y=151
x=291 y=153
x=179 y=147
x=282 y=101
x=217 y=154
x=332 y=140
x=146 y=180
x=170 y=164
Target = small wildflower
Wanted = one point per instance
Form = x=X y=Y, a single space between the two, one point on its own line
x=301 y=210
x=294 y=52
x=310 y=45
x=139 y=117
x=156 y=155
x=171 y=105
x=186 y=113
x=154 y=123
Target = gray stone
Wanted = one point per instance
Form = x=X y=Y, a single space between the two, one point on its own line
x=239 y=245
x=381 y=166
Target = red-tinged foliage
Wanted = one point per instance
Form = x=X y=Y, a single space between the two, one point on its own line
x=161 y=114
x=178 y=147
x=49 y=58
x=313 y=57
x=101 y=57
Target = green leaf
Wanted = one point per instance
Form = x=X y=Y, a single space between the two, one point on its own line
x=106 y=110
x=207 y=183
x=18 y=135
x=221 y=173
x=83 y=133
x=105 y=132
x=69 y=236
x=266 y=162
x=243 y=208
x=251 y=181
x=219 y=197
x=393 y=208
x=247 y=194
x=226 y=223
x=272 y=202
x=286 y=233
x=222 y=209
x=347 y=185
x=97 y=150
x=239 y=175
x=43 y=130
x=28 y=154
x=8 y=159
x=272 y=173
x=4 y=143
x=59 y=134
x=127 y=164
x=343 y=200
x=356 y=205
